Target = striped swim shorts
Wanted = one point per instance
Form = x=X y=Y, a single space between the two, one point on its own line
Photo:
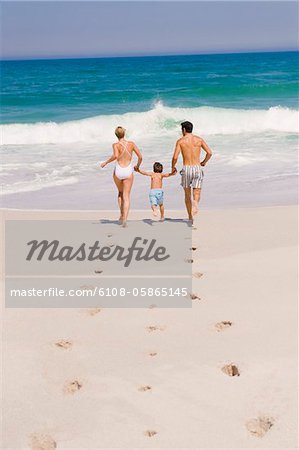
x=192 y=176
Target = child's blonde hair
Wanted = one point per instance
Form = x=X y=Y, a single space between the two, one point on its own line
x=120 y=132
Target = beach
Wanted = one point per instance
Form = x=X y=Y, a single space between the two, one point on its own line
x=152 y=377
x=221 y=374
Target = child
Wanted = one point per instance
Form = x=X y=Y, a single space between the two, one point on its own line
x=156 y=192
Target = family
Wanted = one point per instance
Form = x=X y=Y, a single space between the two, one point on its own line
x=189 y=145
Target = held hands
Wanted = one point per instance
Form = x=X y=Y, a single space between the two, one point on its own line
x=136 y=168
x=174 y=171
x=202 y=164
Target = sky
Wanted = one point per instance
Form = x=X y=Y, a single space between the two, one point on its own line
x=99 y=29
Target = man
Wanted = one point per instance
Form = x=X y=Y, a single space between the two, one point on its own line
x=192 y=174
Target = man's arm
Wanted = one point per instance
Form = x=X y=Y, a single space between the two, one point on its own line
x=112 y=158
x=175 y=156
x=208 y=151
x=170 y=174
x=139 y=156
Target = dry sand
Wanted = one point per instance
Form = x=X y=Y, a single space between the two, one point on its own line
x=220 y=375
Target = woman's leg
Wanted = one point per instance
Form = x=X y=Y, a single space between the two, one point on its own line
x=127 y=186
x=119 y=185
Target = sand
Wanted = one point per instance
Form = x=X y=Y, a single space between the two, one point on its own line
x=220 y=375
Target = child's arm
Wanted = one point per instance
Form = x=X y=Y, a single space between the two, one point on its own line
x=148 y=174
x=170 y=174
x=112 y=158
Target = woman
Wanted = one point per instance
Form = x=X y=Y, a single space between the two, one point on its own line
x=123 y=173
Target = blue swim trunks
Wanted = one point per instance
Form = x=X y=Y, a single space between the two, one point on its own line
x=156 y=197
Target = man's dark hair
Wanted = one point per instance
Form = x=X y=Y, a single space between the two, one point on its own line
x=187 y=126
x=157 y=167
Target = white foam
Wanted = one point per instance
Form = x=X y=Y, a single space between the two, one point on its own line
x=161 y=120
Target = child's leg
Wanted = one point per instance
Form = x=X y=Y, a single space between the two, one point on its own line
x=153 y=202
x=154 y=209
x=162 y=211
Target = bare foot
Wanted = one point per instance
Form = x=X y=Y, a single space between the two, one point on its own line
x=260 y=426
x=155 y=211
x=42 y=442
x=124 y=224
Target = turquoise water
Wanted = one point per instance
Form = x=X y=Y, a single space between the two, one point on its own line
x=58 y=118
x=61 y=90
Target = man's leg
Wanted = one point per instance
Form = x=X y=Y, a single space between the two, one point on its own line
x=196 y=198
x=188 y=202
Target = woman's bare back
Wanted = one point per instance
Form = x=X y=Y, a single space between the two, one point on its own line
x=124 y=152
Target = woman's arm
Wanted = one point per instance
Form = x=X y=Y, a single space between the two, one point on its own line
x=112 y=158
x=143 y=172
x=139 y=156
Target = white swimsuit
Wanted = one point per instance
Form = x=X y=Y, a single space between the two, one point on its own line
x=123 y=172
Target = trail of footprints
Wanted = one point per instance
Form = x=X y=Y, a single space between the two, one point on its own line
x=256 y=426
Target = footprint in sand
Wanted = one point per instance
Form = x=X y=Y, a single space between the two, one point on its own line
x=231 y=370
x=193 y=248
x=63 y=343
x=150 y=433
x=109 y=235
x=152 y=306
x=71 y=387
x=152 y=328
x=197 y=275
x=260 y=426
x=189 y=261
x=98 y=271
x=86 y=287
x=152 y=354
x=194 y=296
x=42 y=442
x=92 y=311
x=223 y=325
x=144 y=388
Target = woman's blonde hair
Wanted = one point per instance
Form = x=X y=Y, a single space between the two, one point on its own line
x=120 y=132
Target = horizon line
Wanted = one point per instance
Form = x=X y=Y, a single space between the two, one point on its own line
x=216 y=52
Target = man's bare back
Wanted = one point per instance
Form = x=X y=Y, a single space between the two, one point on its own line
x=190 y=146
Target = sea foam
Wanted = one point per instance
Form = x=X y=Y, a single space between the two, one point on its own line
x=160 y=120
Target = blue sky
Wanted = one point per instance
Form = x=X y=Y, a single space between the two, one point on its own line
x=83 y=29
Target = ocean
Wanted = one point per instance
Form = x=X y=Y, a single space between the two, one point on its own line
x=58 y=119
